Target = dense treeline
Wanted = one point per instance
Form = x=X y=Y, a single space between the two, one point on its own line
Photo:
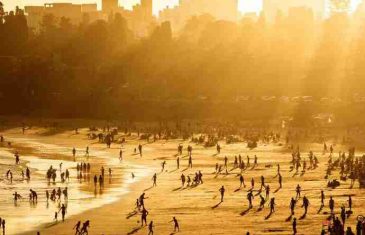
x=100 y=69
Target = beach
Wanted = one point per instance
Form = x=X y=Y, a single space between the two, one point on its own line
x=198 y=209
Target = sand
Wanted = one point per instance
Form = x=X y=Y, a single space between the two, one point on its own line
x=196 y=208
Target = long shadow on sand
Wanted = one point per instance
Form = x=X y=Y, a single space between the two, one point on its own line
x=177 y=189
x=216 y=206
x=148 y=188
x=131 y=214
x=243 y=213
x=268 y=216
x=289 y=218
x=134 y=231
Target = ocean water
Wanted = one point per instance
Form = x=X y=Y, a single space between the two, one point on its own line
x=81 y=194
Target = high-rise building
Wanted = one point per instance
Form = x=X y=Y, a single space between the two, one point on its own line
x=74 y=12
x=147 y=7
x=272 y=7
x=109 y=6
x=219 y=9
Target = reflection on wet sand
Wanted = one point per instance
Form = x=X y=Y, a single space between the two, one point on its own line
x=41 y=199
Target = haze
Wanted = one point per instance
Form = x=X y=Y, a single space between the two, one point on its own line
x=244 y=5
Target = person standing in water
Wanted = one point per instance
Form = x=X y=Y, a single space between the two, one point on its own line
x=63 y=211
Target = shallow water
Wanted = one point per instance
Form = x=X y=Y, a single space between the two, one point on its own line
x=31 y=216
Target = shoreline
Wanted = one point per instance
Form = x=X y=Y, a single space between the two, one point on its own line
x=199 y=203
x=113 y=192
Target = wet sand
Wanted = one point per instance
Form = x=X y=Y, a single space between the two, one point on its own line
x=197 y=208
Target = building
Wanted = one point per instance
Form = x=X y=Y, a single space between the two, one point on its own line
x=219 y=9
x=74 y=12
x=109 y=6
x=272 y=7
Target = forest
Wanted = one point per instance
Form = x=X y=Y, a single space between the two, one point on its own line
x=211 y=68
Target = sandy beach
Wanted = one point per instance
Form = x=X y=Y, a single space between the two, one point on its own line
x=197 y=208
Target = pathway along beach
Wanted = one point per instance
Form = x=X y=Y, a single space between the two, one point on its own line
x=198 y=209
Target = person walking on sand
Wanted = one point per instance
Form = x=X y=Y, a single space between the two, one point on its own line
x=280 y=181
x=140 y=149
x=305 y=204
x=74 y=152
x=242 y=181
x=85 y=226
x=190 y=162
x=178 y=163
x=120 y=154
x=163 y=166
x=332 y=204
x=322 y=198
x=77 y=227
x=154 y=179
x=298 y=190
x=150 y=228
x=176 y=224
x=267 y=189
x=141 y=199
x=188 y=181
x=182 y=180
x=144 y=214
x=272 y=205
x=222 y=190
x=292 y=206
x=294 y=226
x=262 y=202
x=250 y=198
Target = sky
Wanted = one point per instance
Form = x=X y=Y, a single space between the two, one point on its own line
x=244 y=5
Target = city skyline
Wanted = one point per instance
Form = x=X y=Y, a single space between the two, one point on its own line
x=243 y=5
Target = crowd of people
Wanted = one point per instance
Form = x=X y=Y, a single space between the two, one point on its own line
x=349 y=165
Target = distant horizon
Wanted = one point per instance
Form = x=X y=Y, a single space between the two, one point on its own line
x=244 y=6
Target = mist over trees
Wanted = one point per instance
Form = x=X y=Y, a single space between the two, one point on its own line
x=99 y=69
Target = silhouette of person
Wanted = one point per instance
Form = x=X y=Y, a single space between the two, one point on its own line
x=292 y=205
x=190 y=162
x=242 y=181
x=298 y=190
x=350 y=202
x=63 y=211
x=85 y=226
x=262 y=202
x=154 y=179
x=249 y=198
x=295 y=226
x=331 y=204
x=322 y=198
x=150 y=228
x=272 y=205
x=305 y=204
x=280 y=181
x=77 y=227
x=222 y=190
x=182 y=180
x=176 y=224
